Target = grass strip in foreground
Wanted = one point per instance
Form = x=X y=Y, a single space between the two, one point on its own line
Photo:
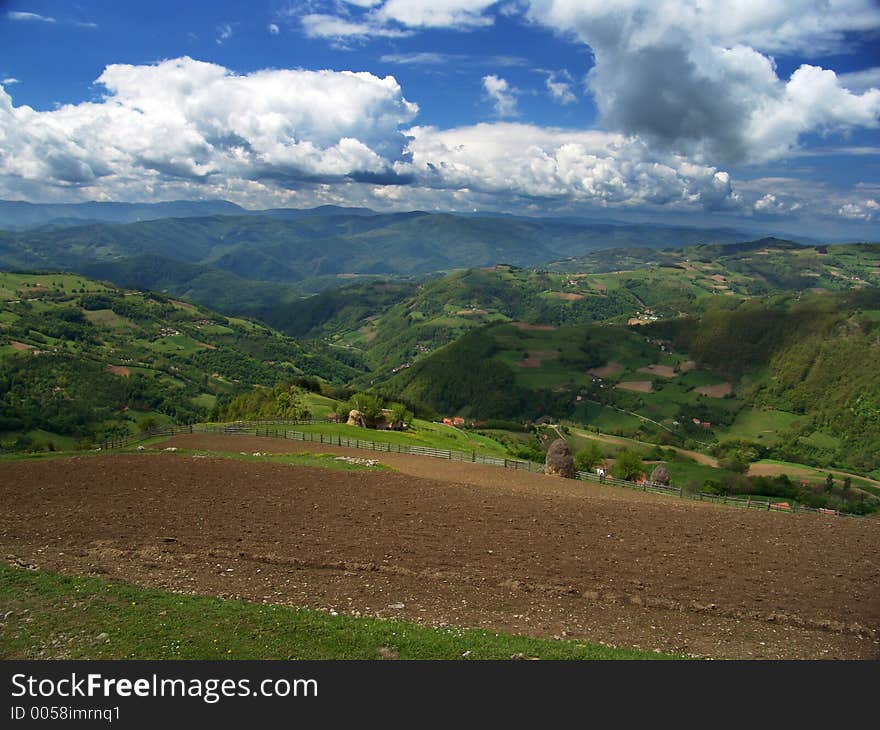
x=304 y=458
x=50 y=616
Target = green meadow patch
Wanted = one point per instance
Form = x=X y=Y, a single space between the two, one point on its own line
x=51 y=616
x=367 y=462
x=321 y=460
x=764 y=425
x=424 y=433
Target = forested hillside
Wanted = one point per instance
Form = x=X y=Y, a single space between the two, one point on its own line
x=84 y=360
x=815 y=356
x=796 y=376
x=396 y=325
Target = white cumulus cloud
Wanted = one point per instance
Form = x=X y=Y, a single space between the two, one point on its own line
x=186 y=120
x=559 y=88
x=863 y=80
x=501 y=94
x=322 y=25
x=437 y=13
x=694 y=75
x=866 y=210
x=389 y=18
x=600 y=168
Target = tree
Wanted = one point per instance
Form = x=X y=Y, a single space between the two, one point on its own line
x=288 y=403
x=628 y=465
x=589 y=457
x=829 y=482
x=368 y=404
x=734 y=461
x=400 y=416
x=148 y=423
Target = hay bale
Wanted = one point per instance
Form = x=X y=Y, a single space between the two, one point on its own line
x=356 y=418
x=660 y=475
x=559 y=461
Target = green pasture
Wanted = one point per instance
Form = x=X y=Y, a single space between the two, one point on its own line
x=765 y=426
x=52 y=616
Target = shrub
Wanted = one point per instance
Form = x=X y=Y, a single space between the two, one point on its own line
x=628 y=465
x=589 y=457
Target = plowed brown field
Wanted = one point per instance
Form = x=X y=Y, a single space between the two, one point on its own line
x=457 y=544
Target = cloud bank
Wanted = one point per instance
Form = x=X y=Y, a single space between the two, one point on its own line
x=694 y=76
x=187 y=120
x=685 y=89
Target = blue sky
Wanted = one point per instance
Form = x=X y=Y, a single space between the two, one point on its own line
x=712 y=112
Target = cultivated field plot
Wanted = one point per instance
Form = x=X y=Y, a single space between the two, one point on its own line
x=470 y=546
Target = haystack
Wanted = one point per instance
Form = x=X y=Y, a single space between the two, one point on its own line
x=356 y=418
x=559 y=461
x=660 y=475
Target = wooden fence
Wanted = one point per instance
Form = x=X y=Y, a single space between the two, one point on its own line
x=250 y=429
x=768 y=505
x=272 y=429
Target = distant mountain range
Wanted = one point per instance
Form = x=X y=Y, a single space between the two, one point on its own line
x=310 y=248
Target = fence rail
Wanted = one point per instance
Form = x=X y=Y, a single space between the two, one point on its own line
x=271 y=429
x=313 y=437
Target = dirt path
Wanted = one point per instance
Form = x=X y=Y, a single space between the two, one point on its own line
x=695 y=455
x=471 y=546
x=765 y=469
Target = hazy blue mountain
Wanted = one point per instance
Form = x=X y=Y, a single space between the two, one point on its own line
x=19 y=214
x=278 y=248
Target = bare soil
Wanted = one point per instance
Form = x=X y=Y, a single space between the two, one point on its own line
x=536 y=357
x=664 y=371
x=456 y=544
x=715 y=391
x=609 y=368
x=120 y=370
x=637 y=386
x=526 y=327
x=528 y=362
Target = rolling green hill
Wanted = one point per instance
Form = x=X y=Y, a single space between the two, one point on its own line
x=396 y=325
x=748 y=268
x=81 y=359
x=794 y=375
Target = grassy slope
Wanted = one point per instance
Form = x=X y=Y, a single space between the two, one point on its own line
x=53 y=617
x=423 y=433
x=180 y=375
